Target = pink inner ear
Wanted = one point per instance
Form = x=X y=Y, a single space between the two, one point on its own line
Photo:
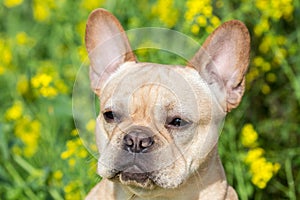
x=225 y=61
x=107 y=45
x=227 y=66
x=106 y=59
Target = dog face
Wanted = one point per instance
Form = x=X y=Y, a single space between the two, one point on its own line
x=153 y=127
x=158 y=123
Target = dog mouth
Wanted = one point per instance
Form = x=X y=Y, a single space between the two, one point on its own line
x=136 y=179
x=134 y=176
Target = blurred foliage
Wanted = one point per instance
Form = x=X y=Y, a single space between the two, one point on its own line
x=42 y=47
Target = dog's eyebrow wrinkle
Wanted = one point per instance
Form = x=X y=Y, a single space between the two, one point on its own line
x=144 y=95
x=164 y=136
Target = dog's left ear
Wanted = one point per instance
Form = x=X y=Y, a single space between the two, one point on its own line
x=107 y=45
x=223 y=61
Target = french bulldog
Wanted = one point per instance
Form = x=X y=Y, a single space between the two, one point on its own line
x=158 y=128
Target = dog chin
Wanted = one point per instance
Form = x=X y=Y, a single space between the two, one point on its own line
x=136 y=178
x=143 y=181
x=139 y=180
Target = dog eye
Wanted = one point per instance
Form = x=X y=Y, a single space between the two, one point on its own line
x=177 y=122
x=109 y=116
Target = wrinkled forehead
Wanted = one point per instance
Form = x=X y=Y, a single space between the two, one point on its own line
x=159 y=84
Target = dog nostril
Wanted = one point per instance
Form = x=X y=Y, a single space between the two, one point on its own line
x=128 y=141
x=146 y=142
x=137 y=142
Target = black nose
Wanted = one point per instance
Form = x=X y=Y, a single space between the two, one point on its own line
x=138 y=142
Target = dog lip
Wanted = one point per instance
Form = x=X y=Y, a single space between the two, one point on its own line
x=138 y=177
x=135 y=176
x=135 y=173
x=133 y=169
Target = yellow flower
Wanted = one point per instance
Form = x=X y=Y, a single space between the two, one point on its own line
x=72 y=162
x=71 y=146
x=267 y=43
x=276 y=9
x=215 y=21
x=72 y=191
x=22 y=85
x=253 y=155
x=48 y=92
x=281 y=40
x=201 y=20
x=262 y=171
x=82 y=153
x=252 y=75
x=93 y=147
x=265 y=89
x=80 y=28
x=29 y=151
x=194 y=7
x=280 y=55
x=249 y=136
x=266 y=67
x=288 y=12
x=42 y=83
x=258 y=181
x=200 y=13
x=90 y=126
x=28 y=131
x=12 y=3
x=41 y=11
x=57 y=175
x=261 y=66
x=166 y=12
x=195 y=29
x=22 y=38
x=207 y=10
x=74 y=151
x=41 y=80
x=74 y=132
x=271 y=77
x=5 y=52
x=262 y=27
x=209 y=29
x=91 y=4
x=65 y=155
x=68 y=188
x=82 y=53
x=14 y=112
x=258 y=61
x=2 y=70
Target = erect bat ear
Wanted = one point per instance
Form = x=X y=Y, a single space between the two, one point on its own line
x=223 y=61
x=107 y=45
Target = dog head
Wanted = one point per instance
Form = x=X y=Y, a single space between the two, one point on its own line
x=159 y=123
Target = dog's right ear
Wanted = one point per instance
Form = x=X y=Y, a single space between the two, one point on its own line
x=107 y=45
